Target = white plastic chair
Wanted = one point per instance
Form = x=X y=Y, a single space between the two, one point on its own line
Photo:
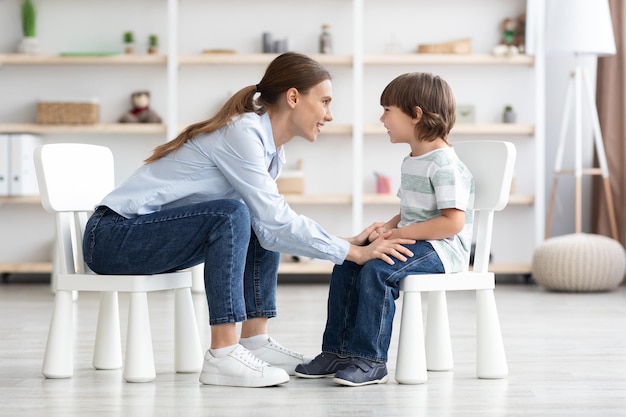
x=72 y=179
x=491 y=164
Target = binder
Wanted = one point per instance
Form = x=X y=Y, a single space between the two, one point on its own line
x=23 y=179
x=4 y=164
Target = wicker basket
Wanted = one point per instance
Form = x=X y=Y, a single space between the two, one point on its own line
x=68 y=113
x=461 y=46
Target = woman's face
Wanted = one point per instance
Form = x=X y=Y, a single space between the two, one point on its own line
x=312 y=111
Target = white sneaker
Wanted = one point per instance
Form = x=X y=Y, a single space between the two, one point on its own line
x=240 y=369
x=279 y=356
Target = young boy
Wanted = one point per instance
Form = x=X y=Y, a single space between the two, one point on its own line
x=436 y=201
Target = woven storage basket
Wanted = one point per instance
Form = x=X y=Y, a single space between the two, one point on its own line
x=461 y=46
x=68 y=113
x=579 y=262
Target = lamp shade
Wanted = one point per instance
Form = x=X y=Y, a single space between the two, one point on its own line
x=580 y=27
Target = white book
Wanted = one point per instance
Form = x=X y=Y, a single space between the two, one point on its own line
x=4 y=164
x=22 y=165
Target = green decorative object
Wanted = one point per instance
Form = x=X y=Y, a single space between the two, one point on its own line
x=29 y=19
x=153 y=44
x=29 y=44
x=509 y=116
x=129 y=41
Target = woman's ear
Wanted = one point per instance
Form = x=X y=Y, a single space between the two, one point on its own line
x=292 y=96
x=418 y=115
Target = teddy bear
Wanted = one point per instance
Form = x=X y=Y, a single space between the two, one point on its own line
x=141 y=111
x=513 y=37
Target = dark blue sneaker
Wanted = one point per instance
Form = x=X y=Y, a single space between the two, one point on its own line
x=324 y=364
x=362 y=371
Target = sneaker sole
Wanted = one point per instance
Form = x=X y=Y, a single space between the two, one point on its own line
x=345 y=382
x=309 y=376
x=209 y=379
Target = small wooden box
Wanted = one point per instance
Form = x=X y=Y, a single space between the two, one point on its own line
x=67 y=113
x=460 y=46
x=290 y=185
x=291 y=181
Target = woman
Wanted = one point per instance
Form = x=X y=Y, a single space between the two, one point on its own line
x=210 y=196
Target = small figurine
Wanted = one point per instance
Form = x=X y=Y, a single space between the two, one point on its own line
x=141 y=111
x=513 y=37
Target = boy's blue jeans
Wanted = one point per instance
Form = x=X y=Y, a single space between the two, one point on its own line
x=239 y=275
x=361 y=302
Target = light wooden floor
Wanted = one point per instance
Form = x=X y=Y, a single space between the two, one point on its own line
x=566 y=353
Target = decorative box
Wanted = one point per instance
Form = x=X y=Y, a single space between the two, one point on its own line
x=68 y=113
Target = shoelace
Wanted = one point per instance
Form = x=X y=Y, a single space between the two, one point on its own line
x=283 y=349
x=249 y=359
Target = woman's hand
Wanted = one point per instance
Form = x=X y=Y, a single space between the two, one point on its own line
x=381 y=248
x=378 y=232
x=363 y=237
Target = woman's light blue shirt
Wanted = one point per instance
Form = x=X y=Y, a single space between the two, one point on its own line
x=239 y=161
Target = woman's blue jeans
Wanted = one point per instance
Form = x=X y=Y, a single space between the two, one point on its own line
x=361 y=302
x=239 y=275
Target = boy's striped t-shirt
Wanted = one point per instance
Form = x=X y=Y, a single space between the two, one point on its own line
x=432 y=182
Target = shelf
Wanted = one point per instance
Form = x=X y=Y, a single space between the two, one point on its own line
x=26 y=267
x=472 y=129
x=311 y=199
x=122 y=59
x=103 y=128
x=28 y=199
x=154 y=128
x=325 y=267
x=318 y=198
x=263 y=59
x=378 y=199
x=123 y=128
x=307 y=267
x=255 y=59
x=447 y=59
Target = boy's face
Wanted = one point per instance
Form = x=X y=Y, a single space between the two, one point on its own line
x=400 y=126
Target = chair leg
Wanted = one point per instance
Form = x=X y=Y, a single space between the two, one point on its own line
x=139 y=366
x=58 y=359
x=107 y=353
x=197 y=279
x=187 y=349
x=490 y=357
x=411 y=362
x=438 y=345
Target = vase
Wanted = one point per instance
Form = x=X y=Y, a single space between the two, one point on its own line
x=28 y=45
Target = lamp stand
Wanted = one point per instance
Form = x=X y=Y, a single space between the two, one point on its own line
x=579 y=81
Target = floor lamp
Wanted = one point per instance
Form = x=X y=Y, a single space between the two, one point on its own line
x=580 y=28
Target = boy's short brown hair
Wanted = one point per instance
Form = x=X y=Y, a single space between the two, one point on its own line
x=429 y=92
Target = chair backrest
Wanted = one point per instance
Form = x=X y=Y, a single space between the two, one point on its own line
x=491 y=164
x=73 y=178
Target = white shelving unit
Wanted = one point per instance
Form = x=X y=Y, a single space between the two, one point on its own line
x=355 y=64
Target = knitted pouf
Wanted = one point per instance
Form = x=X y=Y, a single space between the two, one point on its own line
x=579 y=262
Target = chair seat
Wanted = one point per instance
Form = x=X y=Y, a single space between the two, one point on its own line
x=123 y=283
x=461 y=281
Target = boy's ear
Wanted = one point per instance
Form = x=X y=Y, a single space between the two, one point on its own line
x=418 y=115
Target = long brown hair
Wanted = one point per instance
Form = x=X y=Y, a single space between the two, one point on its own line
x=284 y=72
x=428 y=92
